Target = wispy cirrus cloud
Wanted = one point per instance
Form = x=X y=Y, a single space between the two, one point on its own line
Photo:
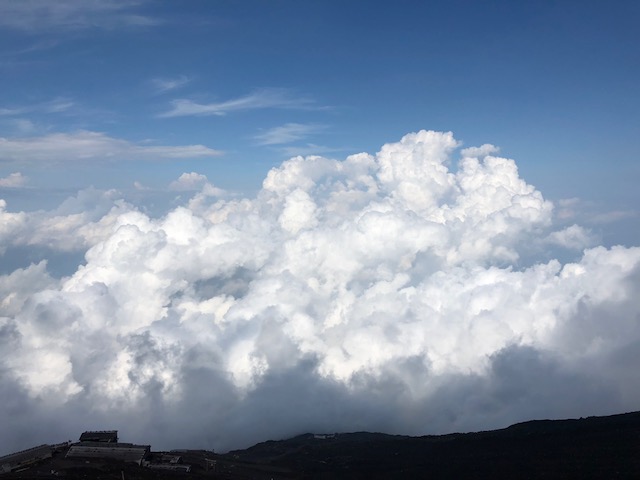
x=259 y=99
x=30 y=118
x=38 y=15
x=591 y=213
x=163 y=85
x=310 y=149
x=287 y=133
x=56 y=105
x=22 y=125
x=83 y=145
x=35 y=47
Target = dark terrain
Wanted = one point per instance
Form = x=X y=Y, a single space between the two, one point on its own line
x=594 y=447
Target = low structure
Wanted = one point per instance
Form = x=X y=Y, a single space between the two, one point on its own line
x=126 y=452
x=174 y=467
x=102 y=436
x=17 y=460
x=172 y=459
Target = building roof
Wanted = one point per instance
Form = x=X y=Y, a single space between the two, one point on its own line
x=25 y=456
x=127 y=452
x=110 y=436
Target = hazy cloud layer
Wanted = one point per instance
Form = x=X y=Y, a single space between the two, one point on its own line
x=287 y=133
x=34 y=16
x=259 y=99
x=57 y=105
x=86 y=145
x=409 y=291
x=163 y=85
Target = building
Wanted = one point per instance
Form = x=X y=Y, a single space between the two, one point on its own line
x=17 y=460
x=126 y=452
x=102 y=436
x=174 y=467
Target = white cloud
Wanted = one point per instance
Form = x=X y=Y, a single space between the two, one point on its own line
x=83 y=145
x=13 y=180
x=163 y=85
x=10 y=225
x=480 y=152
x=381 y=292
x=38 y=15
x=74 y=226
x=191 y=182
x=259 y=99
x=288 y=133
x=574 y=237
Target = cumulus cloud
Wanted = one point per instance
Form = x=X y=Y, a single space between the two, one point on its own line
x=382 y=292
x=188 y=181
x=85 y=145
x=196 y=182
x=259 y=99
x=75 y=225
x=481 y=151
x=575 y=237
x=13 y=180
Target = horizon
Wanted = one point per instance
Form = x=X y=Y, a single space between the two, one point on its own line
x=224 y=224
x=325 y=435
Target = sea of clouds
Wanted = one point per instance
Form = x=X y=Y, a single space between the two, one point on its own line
x=413 y=291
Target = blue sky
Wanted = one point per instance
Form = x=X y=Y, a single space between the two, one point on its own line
x=553 y=84
x=294 y=216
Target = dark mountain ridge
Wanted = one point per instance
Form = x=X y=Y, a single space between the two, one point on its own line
x=593 y=447
x=585 y=448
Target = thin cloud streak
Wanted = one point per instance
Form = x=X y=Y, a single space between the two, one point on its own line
x=57 y=105
x=259 y=99
x=163 y=85
x=310 y=149
x=288 y=133
x=36 y=47
x=85 y=145
x=33 y=16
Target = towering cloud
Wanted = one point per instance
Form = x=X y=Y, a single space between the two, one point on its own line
x=406 y=292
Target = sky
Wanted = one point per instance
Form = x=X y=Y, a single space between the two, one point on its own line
x=223 y=222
